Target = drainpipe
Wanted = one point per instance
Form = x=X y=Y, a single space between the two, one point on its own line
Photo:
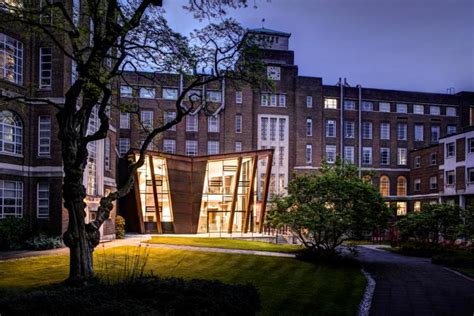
x=341 y=119
x=360 y=131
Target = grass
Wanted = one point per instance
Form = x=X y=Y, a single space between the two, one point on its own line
x=225 y=243
x=287 y=286
x=467 y=271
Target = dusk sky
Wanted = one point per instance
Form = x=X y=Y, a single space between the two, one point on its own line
x=422 y=45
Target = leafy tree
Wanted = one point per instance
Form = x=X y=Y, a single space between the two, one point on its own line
x=436 y=223
x=105 y=39
x=324 y=210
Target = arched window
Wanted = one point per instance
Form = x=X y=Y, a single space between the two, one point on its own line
x=401 y=186
x=384 y=186
x=11 y=130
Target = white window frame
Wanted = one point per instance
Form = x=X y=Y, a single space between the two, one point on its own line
x=147 y=93
x=170 y=93
x=382 y=150
x=404 y=129
x=11 y=130
x=435 y=110
x=365 y=151
x=238 y=123
x=451 y=129
x=309 y=127
x=349 y=154
x=433 y=183
x=448 y=173
x=385 y=130
x=107 y=155
x=449 y=153
x=402 y=108
x=42 y=203
x=192 y=123
x=124 y=145
x=309 y=101
x=169 y=146
x=238 y=146
x=17 y=191
x=213 y=123
x=367 y=130
x=384 y=107
x=124 y=120
x=212 y=147
x=330 y=103
x=349 y=105
x=437 y=129
x=349 y=129
x=418 y=109
x=146 y=117
x=309 y=153
x=44 y=135
x=331 y=127
x=450 y=111
x=238 y=97
x=45 y=68
x=192 y=147
x=213 y=96
x=10 y=44
x=402 y=156
x=126 y=91
x=331 y=152
x=367 y=106
x=282 y=100
x=168 y=117
x=419 y=133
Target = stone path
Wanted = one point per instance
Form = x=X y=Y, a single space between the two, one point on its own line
x=413 y=286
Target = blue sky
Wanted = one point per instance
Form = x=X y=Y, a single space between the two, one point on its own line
x=422 y=45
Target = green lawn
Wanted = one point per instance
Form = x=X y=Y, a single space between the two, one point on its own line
x=224 y=243
x=467 y=271
x=287 y=286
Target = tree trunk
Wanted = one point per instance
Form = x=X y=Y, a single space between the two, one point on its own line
x=79 y=237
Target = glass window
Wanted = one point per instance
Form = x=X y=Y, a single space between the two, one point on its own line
x=434 y=110
x=450 y=150
x=44 y=135
x=435 y=133
x=384 y=107
x=384 y=130
x=213 y=124
x=367 y=155
x=214 y=96
x=418 y=109
x=470 y=145
x=238 y=123
x=402 y=156
x=470 y=175
x=46 y=67
x=367 y=130
x=42 y=201
x=417 y=162
x=384 y=156
x=107 y=161
x=433 y=183
x=417 y=207
x=11 y=59
x=384 y=186
x=402 y=108
x=282 y=100
x=451 y=129
x=191 y=147
x=238 y=146
x=194 y=95
x=330 y=128
x=238 y=97
x=146 y=118
x=349 y=154
x=401 y=208
x=147 y=92
x=124 y=146
x=349 y=105
x=309 y=101
x=401 y=186
x=168 y=117
x=330 y=103
x=124 y=120
x=309 y=153
x=192 y=123
x=264 y=128
x=367 y=106
x=212 y=147
x=349 y=129
x=11 y=133
x=417 y=185
x=11 y=199
x=330 y=154
x=282 y=125
x=273 y=123
x=419 y=135
x=273 y=100
x=281 y=156
x=126 y=91
x=451 y=111
x=450 y=177
x=309 y=127
x=264 y=100
x=169 y=146
x=433 y=157
x=402 y=131
x=170 y=93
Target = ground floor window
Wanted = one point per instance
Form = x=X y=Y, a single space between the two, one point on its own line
x=42 y=210
x=401 y=208
x=11 y=198
x=417 y=207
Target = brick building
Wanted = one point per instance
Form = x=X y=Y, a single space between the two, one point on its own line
x=30 y=155
x=384 y=132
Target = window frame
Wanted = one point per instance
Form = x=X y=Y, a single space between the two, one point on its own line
x=47 y=138
x=43 y=63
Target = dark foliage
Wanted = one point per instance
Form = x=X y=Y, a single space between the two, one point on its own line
x=457 y=259
x=144 y=296
x=333 y=259
x=119 y=227
x=43 y=241
x=13 y=233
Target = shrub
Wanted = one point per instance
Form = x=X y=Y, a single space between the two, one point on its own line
x=43 y=241
x=119 y=227
x=149 y=295
x=457 y=259
x=13 y=233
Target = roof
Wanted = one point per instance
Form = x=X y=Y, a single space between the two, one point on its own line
x=263 y=30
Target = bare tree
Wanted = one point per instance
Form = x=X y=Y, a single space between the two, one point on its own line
x=104 y=39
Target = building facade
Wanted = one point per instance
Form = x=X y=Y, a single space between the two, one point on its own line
x=391 y=135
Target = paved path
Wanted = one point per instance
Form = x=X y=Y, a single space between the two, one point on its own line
x=413 y=286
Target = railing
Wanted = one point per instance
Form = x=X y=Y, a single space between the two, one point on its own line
x=271 y=231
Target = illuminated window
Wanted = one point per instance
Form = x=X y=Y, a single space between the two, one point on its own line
x=401 y=186
x=11 y=59
x=330 y=103
x=417 y=207
x=367 y=179
x=147 y=92
x=11 y=133
x=384 y=186
x=401 y=208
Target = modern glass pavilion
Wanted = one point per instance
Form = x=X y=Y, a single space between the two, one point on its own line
x=200 y=194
